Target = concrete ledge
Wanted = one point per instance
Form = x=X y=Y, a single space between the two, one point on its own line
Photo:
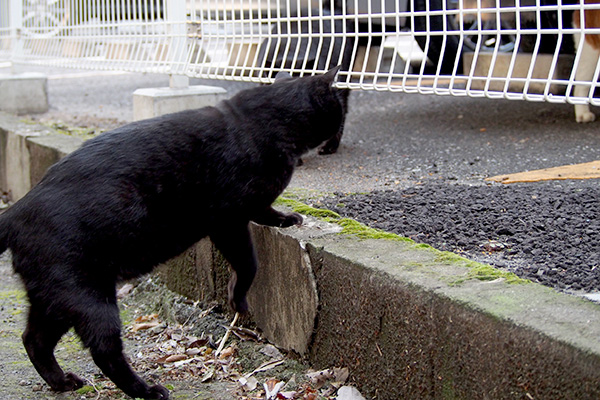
x=153 y=102
x=24 y=93
x=408 y=321
x=27 y=151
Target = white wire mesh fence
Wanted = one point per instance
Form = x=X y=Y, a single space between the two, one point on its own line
x=515 y=49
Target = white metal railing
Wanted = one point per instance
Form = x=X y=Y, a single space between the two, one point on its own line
x=514 y=49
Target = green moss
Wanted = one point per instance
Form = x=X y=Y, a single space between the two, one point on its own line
x=479 y=271
x=305 y=209
x=85 y=390
x=355 y=228
x=485 y=272
x=84 y=133
x=482 y=272
x=14 y=296
x=349 y=226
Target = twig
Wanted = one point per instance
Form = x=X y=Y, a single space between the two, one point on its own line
x=224 y=339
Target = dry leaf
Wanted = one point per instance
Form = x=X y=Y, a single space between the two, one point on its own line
x=193 y=351
x=272 y=387
x=248 y=384
x=266 y=366
x=349 y=393
x=227 y=352
x=146 y=318
x=124 y=290
x=287 y=395
x=245 y=333
x=333 y=375
x=210 y=373
x=144 y=325
x=175 y=357
x=271 y=351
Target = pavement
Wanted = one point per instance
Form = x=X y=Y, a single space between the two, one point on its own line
x=392 y=140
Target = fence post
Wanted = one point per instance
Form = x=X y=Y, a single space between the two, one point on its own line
x=176 y=11
x=15 y=22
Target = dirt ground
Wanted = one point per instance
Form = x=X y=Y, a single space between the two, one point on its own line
x=170 y=340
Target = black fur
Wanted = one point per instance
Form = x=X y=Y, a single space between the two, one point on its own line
x=138 y=195
x=303 y=52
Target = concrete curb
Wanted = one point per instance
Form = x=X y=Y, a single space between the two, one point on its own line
x=409 y=321
x=26 y=151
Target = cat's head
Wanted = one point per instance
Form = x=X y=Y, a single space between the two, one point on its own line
x=318 y=104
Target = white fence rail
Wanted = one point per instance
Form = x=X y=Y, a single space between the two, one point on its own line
x=515 y=49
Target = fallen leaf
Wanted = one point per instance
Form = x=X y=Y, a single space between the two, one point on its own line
x=144 y=325
x=175 y=357
x=267 y=366
x=248 y=384
x=272 y=387
x=245 y=334
x=146 y=318
x=349 y=393
x=287 y=395
x=271 y=351
x=227 y=352
x=210 y=373
x=124 y=290
x=171 y=358
x=320 y=378
x=193 y=351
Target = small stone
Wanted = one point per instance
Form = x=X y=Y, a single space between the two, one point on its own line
x=493 y=245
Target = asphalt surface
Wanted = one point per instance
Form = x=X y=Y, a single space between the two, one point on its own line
x=545 y=232
x=396 y=141
x=392 y=140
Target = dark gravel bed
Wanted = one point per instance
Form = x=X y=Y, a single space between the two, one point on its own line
x=546 y=232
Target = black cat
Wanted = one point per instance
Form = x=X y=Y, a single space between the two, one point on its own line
x=138 y=195
x=310 y=44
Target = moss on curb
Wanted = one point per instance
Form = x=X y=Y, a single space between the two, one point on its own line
x=479 y=271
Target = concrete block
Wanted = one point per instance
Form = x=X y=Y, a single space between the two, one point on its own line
x=523 y=61
x=284 y=267
x=26 y=152
x=412 y=322
x=24 y=93
x=152 y=102
x=283 y=298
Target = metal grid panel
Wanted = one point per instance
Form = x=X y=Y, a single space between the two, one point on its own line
x=514 y=49
x=7 y=33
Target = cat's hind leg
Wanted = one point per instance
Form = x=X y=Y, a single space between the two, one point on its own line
x=40 y=338
x=235 y=243
x=99 y=328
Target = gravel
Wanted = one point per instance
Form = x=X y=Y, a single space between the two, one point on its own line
x=547 y=232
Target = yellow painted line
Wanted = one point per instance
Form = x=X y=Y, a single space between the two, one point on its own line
x=590 y=170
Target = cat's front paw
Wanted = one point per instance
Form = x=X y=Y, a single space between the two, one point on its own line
x=290 y=220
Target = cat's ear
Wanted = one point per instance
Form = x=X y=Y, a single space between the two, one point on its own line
x=282 y=75
x=330 y=75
